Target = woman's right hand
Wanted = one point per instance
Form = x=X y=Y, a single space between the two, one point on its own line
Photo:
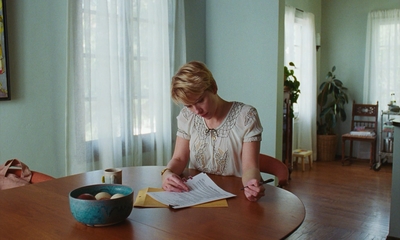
x=173 y=183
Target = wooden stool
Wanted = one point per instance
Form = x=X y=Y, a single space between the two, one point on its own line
x=301 y=153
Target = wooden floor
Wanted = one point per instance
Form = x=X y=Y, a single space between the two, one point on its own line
x=343 y=202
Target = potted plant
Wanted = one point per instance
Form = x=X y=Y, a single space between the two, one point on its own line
x=292 y=85
x=331 y=100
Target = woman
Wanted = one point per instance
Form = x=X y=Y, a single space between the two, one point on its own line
x=215 y=136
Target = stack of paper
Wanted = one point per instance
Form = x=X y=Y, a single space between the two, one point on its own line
x=202 y=190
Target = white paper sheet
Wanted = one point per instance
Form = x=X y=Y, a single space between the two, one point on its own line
x=202 y=190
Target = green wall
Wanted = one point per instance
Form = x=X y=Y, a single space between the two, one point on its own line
x=244 y=49
x=195 y=25
x=32 y=123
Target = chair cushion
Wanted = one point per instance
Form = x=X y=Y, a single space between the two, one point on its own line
x=358 y=137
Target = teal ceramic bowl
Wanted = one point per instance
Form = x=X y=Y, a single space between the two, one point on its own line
x=101 y=212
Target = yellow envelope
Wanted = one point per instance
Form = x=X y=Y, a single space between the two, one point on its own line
x=144 y=200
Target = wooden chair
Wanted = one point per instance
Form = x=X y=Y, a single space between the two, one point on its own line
x=364 y=120
x=37 y=177
x=275 y=167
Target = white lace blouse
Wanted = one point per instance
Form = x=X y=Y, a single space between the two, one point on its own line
x=219 y=150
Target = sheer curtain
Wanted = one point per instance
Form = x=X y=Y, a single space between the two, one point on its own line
x=300 y=48
x=122 y=55
x=382 y=61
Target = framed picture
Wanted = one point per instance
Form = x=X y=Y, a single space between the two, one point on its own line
x=4 y=73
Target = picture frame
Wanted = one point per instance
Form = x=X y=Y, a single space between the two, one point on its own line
x=5 y=93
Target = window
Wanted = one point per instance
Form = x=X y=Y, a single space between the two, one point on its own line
x=387 y=41
x=127 y=51
x=382 y=65
x=119 y=104
x=300 y=48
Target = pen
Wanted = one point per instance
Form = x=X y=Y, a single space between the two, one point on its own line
x=261 y=183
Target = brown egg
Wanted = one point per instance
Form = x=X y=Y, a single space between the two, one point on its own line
x=103 y=196
x=86 y=196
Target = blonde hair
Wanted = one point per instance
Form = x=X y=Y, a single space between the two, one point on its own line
x=192 y=79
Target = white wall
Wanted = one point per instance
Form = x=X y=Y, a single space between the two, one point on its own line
x=244 y=50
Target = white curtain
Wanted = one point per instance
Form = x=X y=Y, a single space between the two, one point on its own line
x=300 y=48
x=382 y=61
x=122 y=55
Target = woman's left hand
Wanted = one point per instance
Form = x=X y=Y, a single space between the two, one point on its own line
x=254 y=190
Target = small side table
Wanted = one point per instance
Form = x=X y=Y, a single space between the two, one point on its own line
x=302 y=153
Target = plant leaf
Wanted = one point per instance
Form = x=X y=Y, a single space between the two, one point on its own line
x=338 y=82
x=329 y=75
x=322 y=86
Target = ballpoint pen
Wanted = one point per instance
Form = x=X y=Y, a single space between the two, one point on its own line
x=261 y=183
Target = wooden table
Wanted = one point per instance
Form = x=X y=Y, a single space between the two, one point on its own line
x=41 y=211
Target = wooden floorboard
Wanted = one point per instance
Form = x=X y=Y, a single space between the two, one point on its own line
x=343 y=202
